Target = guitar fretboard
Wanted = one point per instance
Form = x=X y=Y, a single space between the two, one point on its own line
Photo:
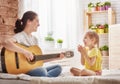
x=46 y=56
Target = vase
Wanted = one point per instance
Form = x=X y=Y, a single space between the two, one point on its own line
x=100 y=31
x=49 y=44
x=59 y=45
x=106 y=30
x=91 y=9
x=106 y=7
x=98 y=8
x=105 y=53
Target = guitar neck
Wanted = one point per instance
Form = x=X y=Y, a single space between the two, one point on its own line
x=46 y=56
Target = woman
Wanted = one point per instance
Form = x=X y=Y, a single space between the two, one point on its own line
x=23 y=30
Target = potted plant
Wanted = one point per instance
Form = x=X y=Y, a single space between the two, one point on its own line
x=104 y=50
x=93 y=28
x=100 y=28
x=49 y=38
x=91 y=7
x=98 y=6
x=59 y=43
x=106 y=28
x=49 y=42
x=102 y=6
x=107 y=5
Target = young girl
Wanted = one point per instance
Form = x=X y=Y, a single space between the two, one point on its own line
x=90 y=56
x=23 y=30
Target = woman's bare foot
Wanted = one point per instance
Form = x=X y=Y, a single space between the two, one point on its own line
x=75 y=71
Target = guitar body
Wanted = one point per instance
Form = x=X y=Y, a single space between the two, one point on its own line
x=16 y=63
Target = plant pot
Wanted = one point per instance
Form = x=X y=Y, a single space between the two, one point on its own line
x=94 y=29
x=102 y=8
x=49 y=44
x=105 y=53
x=97 y=8
x=100 y=31
x=106 y=7
x=91 y=9
x=106 y=30
x=59 y=45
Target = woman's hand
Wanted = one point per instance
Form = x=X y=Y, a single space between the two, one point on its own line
x=28 y=55
x=62 y=55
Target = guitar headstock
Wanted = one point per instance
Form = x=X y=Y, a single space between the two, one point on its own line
x=69 y=54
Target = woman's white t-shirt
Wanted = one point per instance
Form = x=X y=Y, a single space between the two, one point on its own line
x=23 y=39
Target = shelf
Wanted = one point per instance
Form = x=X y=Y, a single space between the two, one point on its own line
x=88 y=17
x=102 y=33
x=99 y=12
x=95 y=12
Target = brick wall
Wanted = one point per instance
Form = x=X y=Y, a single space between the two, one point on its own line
x=8 y=16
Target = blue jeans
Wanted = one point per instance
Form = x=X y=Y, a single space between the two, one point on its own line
x=51 y=71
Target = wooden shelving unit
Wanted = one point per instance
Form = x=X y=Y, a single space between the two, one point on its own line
x=88 y=17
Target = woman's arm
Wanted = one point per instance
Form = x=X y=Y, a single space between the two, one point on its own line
x=10 y=45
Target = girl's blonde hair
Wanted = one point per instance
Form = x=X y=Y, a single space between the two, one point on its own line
x=93 y=35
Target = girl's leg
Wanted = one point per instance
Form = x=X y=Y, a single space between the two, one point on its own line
x=86 y=72
x=54 y=71
x=38 y=72
x=75 y=71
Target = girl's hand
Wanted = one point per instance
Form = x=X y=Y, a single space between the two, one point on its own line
x=82 y=50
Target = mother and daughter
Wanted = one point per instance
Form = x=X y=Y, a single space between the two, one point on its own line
x=90 y=57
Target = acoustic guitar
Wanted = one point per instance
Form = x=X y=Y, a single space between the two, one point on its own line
x=16 y=63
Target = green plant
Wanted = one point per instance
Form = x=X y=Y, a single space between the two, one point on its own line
x=104 y=48
x=107 y=3
x=91 y=5
x=100 y=26
x=98 y=4
x=91 y=26
x=97 y=25
x=49 y=38
x=102 y=4
x=59 y=41
x=106 y=25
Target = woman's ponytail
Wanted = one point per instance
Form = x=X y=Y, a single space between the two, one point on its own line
x=18 y=26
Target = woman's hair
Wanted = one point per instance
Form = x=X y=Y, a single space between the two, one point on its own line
x=93 y=35
x=21 y=23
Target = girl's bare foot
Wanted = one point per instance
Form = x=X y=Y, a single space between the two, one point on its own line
x=75 y=71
